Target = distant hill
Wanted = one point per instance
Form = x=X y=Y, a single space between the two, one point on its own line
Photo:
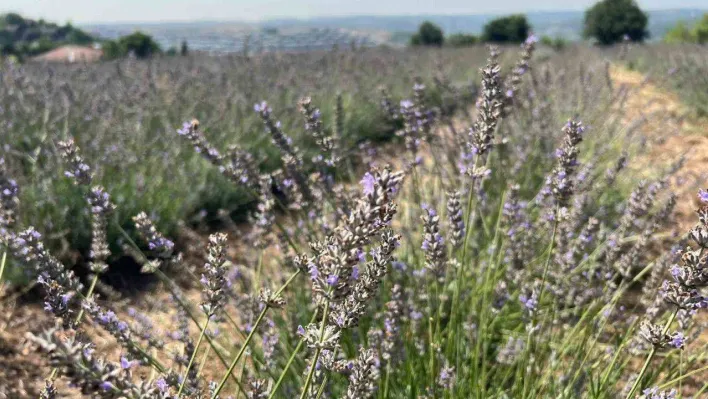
x=27 y=37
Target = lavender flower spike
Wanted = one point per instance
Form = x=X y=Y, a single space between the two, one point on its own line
x=214 y=279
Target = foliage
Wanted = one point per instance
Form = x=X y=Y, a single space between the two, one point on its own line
x=428 y=34
x=557 y=43
x=137 y=44
x=611 y=21
x=508 y=29
x=184 y=48
x=683 y=33
x=26 y=37
x=461 y=40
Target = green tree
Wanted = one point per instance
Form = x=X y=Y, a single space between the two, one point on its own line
x=680 y=33
x=12 y=19
x=428 y=34
x=510 y=29
x=139 y=44
x=611 y=21
x=111 y=49
x=700 y=30
x=685 y=33
x=461 y=40
x=184 y=50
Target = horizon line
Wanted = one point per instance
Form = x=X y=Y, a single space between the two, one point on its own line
x=335 y=16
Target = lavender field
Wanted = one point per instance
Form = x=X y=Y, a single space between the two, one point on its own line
x=481 y=222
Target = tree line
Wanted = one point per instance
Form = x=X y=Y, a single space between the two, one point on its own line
x=607 y=22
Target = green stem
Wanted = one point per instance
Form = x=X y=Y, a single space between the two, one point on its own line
x=194 y=354
x=286 y=369
x=290 y=362
x=204 y=358
x=240 y=353
x=320 y=391
x=550 y=256
x=88 y=296
x=681 y=378
x=2 y=269
x=529 y=343
x=388 y=374
x=318 y=352
x=650 y=356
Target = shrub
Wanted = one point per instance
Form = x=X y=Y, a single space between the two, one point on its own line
x=461 y=40
x=136 y=44
x=428 y=34
x=509 y=29
x=557 y=43
x=184 y=49
x=611 y=21
x=683 y=33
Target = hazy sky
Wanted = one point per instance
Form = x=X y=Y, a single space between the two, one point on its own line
x=83 y=11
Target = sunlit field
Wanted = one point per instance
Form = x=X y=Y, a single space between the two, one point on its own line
x=484 y=222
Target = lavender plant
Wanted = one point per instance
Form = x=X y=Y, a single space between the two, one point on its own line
x=522 y=287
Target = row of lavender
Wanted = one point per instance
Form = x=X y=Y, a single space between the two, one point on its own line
x=123 y=115
x=680 y=68
x=499 y=261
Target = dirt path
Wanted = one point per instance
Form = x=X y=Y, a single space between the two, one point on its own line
x=671 y=133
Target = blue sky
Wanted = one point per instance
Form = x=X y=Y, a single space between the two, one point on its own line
x=85 y=11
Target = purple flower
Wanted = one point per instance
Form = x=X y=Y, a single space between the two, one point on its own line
x=678 y=340
x=361 y=255
x=87 y=351
x=185 y=129
x=126 y=364
x=332 y=280
x=529 y=301
x=398 y=265
x=431 y=211
x=300 y=330
x=425 y=246
x=703 y=195
x=66 y=298
x=368 y=182
x=106 y=386
x=107 y=317
x=314 y=272
x=161 y=384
